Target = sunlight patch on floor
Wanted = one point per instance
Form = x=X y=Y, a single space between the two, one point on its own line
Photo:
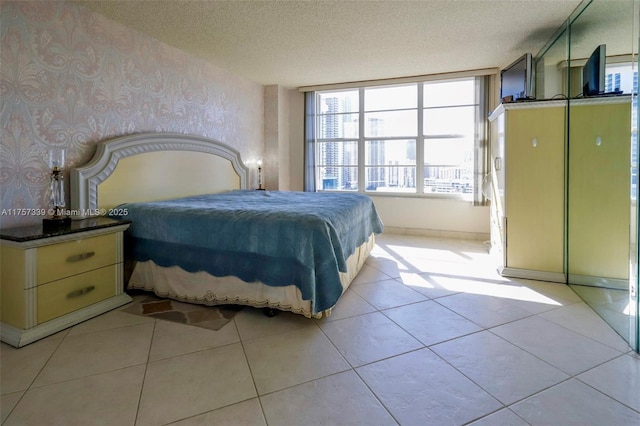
x=461 y=285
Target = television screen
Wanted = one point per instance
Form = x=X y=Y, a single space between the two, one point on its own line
x=593 y=72
x=515 y=80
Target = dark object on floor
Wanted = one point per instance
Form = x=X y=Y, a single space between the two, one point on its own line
x=270 y=312
x=209 y=317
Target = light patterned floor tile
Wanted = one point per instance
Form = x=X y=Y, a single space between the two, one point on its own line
x=20 y=366
x=486 y=311
x=246 y=413
x=419 y=388
x=369 y=274
x=517 y=297
x=91 y=353
x=171 y=339
x=193 y=384
x=556 y=291
x=503 y=417
x=610 y=304
x=502 y=369
x=388 y=294
x=462 y=270
x=253 y=323
x=390 y=267
x=107 y=399
x=618 y=378
x=430 y=322
x=426 y=284
x=437 y=250
x=368 y=338
x=535 y=299
x=582 y=319
x=7 y=403
x=112 y=319
x=340 y=399
x=350 y=304
x=292 y=358
x=574 y=403
x=571 y=352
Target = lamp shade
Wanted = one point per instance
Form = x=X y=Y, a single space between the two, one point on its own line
x=56 y=158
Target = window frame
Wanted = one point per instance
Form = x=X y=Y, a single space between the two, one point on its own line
x=481 y=96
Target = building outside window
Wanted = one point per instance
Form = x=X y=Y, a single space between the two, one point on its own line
x=623 y=77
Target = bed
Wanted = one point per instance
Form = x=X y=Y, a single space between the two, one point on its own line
x=199 y=234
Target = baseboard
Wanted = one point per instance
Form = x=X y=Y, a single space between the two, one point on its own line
x=528 y=274
x=435 y=233
x=603 y=282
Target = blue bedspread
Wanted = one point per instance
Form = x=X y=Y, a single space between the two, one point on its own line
x=279 y=238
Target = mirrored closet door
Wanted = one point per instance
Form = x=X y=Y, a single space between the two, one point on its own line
x=592 y=61
x=602 y=83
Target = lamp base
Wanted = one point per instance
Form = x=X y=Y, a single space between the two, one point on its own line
x=53 y=224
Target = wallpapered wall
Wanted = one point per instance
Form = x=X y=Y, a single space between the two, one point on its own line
x=70 y=77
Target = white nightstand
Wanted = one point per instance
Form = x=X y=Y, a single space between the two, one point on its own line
x=53 y=280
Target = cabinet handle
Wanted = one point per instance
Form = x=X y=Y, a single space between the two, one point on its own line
x=80 y=292
x=81 y=256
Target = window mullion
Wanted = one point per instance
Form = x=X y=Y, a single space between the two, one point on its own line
x=361 y=143
x=317 y=127
x=420 y=142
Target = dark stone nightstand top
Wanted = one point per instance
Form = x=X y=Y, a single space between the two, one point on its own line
x=36 y=232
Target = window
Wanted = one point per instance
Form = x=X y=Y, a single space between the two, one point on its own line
x=623 y=77
x=619 y=77
x=417 y=138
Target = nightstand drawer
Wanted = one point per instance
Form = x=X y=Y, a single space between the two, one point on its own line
x=61 y=297
x=74 y=257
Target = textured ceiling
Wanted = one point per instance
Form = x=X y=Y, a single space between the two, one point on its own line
x=303 y=43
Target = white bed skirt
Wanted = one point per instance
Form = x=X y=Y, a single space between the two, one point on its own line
x=202 y=288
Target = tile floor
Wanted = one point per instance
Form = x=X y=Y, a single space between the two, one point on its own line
x=611 y=304
x=428 y=334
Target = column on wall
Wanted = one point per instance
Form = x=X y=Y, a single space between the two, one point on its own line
x=276 y=136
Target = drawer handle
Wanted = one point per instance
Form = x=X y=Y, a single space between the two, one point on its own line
x=81 y=292
x=81 y=256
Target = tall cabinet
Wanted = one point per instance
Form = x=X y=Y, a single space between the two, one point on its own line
x=560 y=210
x=528 y=179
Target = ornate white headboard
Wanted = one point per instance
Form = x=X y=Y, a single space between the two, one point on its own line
x=155 y=166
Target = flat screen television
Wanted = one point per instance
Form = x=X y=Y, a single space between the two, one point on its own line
x=593 y=73
x=515 y=80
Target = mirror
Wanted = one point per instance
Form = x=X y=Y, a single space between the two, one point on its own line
x=609 y=23
x=599 y=155
x=600 y=209
x=550 y=67
x=634 y=246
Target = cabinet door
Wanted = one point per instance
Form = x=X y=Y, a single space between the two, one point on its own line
x=498 y=237
x=535 y=189
x=599 y=193
x=62 y=260
x=79 y=291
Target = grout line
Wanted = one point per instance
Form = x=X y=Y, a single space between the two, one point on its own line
x=354 y=369
x=248 y=364
x=601 y=391
x=494 y=412
x=44 y=364
x=146 y=369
